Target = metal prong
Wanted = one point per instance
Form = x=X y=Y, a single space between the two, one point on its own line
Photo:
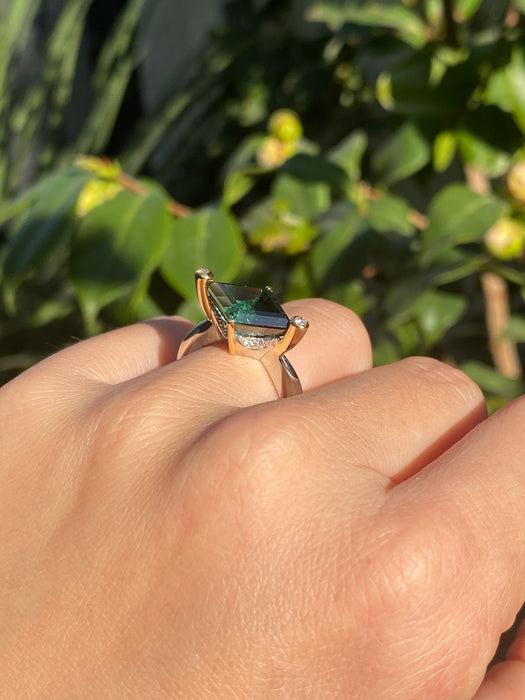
x=232 y=343
x=202 y=277
x=301 y=325
x=268 y=289
x=295 y=332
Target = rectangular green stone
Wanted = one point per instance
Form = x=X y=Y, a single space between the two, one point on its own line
x=254 y=312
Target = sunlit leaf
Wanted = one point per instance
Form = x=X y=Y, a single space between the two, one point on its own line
x=236 y=185
x=405 y=153
x=437 y=311
x=492 y=381
x=41 y=190
x=506 y=87
x=515 y=329
x=487 y=140
x=465 y=9
x=208 y=238
x=317 y=169
x=458 y=215
x=445 y=146
x=389 y=213
x=118 y=245
x=47 y=224
x=342 y=252
x=307 y=199
x=348 y=154
x=372 y=14
x=429 y=83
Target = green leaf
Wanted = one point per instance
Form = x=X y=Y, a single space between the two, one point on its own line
x=404 y=154
x=437 y=311
x=306 y=199
x=402 y=294
x=244 y=154
x=429 y=83
x=351 y=294
x=434 y=11
x=491 y=381
x=385 y=351
x=372 y=14
x=310 y=168
x=300 y=283
x=349 y=153
x=465 y=9
x=116 y=62
x=453 y=264
x=152 y=129
x=100 y=123
x=117 y=247
x=273 y=226
x=62 y=54
x=481 y=155
x=16 y=21
x=458 y=215
x=14 y=207
x=408 y=337
x=506 y=87
x=487 y=140
x=341 y=253
x=50 y=311
x=515 y=329
x=236 y=185
x=42 y=189
x=46 y=225
x=208 y=238
x=445 y=146
x=508 y=271
x=390 y=214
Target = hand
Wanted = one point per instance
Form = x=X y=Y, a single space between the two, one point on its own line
x=168 y=529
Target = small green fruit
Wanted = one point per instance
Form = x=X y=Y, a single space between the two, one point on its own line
x=272 y=152
x=285 y=125
x=506 y=239
x=516 y=182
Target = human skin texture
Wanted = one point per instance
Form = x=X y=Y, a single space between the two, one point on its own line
x=172 y=529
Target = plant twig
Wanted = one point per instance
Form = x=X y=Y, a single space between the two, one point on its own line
x=497 y=310
x=496 y=297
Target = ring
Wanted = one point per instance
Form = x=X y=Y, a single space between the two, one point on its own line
x=252 y=323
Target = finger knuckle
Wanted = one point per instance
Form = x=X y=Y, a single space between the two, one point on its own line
x=454 y=381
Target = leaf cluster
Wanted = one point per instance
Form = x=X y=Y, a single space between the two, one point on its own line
x=408 y=118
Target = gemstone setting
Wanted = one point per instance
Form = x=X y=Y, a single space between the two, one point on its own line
x=258 y=319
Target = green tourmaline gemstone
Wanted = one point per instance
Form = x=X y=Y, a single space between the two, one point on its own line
x=242 y=312
x=255 y=312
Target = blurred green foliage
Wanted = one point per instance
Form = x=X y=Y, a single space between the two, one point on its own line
x=396 y=149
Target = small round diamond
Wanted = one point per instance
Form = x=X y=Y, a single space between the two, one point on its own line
x=204 y=274
x=254 y=342
x=299 y=322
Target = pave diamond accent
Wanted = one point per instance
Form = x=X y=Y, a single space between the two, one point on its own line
x=253 y=342
x=259 y=320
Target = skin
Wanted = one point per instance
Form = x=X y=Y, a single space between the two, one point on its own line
x=169 y=529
